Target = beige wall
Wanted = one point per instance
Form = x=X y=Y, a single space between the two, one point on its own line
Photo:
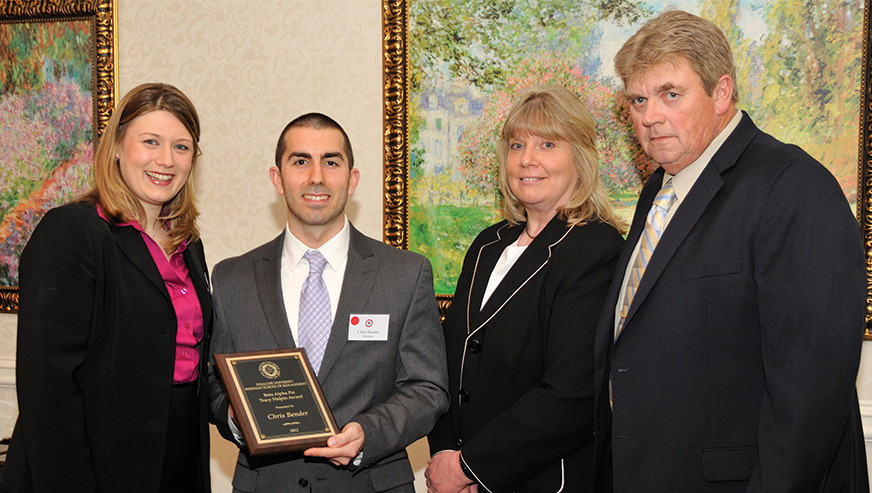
x=250 y=66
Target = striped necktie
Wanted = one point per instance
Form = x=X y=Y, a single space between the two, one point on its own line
x=315 y=317
x=654 y=226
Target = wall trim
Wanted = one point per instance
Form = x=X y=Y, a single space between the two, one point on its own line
x=7 y=375
x=866 y=416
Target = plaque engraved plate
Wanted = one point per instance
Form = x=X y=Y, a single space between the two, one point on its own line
x=277 y=399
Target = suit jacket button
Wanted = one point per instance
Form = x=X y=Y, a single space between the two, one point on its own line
x=474 y=346
x=459 y=443
x=464 y=395
x=304 y=482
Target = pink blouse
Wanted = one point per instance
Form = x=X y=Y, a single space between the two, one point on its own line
x=189 y=314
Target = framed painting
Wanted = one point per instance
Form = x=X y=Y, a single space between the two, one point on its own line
x=58 y=81
x=453 y=68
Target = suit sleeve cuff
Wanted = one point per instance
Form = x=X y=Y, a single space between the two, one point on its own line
x=237 y=433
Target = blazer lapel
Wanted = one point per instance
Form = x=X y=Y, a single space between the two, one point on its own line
x=200 y=278
x=488 y=256
x=130 y=243
x=268 y=279
x=360 y=271
x=692 y=208
x=528 y=264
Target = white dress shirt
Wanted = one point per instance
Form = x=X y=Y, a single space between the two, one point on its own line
x=295 y=269
x=507 y=260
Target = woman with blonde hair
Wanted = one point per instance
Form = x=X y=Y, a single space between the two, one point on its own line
x=115 y=318
x=520 y=330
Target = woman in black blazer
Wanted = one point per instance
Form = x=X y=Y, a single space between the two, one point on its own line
x=115 y=319
x=520 y=331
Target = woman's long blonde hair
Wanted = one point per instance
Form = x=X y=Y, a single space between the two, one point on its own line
x=553 y=112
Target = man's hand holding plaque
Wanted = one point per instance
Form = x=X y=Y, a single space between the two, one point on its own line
x=343 y=448
x=278 y=402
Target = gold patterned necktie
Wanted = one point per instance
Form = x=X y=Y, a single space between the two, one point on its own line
x=654 y=226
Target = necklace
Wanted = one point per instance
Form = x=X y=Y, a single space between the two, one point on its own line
x=528 y=233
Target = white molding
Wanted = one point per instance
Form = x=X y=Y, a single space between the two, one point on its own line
x=866 y=416
x=7 y=373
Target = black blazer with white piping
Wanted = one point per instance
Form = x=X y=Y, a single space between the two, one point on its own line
x=521 y=369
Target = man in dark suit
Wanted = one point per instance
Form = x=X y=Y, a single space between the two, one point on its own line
x=729 y=354
x=385 y=393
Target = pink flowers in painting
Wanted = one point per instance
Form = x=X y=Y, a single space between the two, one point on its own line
x=624 y=167
x=45 y=141
x=46 y=137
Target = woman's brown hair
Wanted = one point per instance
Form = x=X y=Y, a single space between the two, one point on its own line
x=112 y=192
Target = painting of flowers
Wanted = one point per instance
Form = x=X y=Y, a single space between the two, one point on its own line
x=798 y=70
x=46 y=131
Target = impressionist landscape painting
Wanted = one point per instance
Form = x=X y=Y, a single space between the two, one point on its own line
x=798 y=70
x=46 y=113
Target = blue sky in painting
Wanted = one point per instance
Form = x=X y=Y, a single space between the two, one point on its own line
x=614 y=36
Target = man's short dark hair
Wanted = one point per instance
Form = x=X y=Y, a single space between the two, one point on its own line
x=317 y=121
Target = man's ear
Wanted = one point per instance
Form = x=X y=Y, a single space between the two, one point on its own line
x=353 y=180
x=723 y=95
x=275 y=176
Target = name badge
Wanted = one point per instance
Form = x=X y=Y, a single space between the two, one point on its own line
x=368 y=327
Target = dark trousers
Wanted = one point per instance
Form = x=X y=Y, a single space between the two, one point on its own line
x=181 y=454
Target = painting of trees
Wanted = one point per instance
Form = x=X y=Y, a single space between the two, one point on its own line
x=797 y=61
x=800 y=80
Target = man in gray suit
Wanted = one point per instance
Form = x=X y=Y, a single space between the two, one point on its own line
x=386 y=391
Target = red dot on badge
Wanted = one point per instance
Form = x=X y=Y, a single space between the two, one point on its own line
x=355 y=320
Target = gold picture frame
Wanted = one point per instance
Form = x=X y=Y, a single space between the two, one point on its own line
x=864 y=170
x=102 y=16
x=396 y=132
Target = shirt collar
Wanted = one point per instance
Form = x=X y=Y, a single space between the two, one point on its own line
x=135 y=225
x=684 y=180
x=335 y=250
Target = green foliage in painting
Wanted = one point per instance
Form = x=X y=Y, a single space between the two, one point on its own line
x=445 y=232
x=33 y=53
x=482 y=41
x=800 y=82
x=492 y=50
